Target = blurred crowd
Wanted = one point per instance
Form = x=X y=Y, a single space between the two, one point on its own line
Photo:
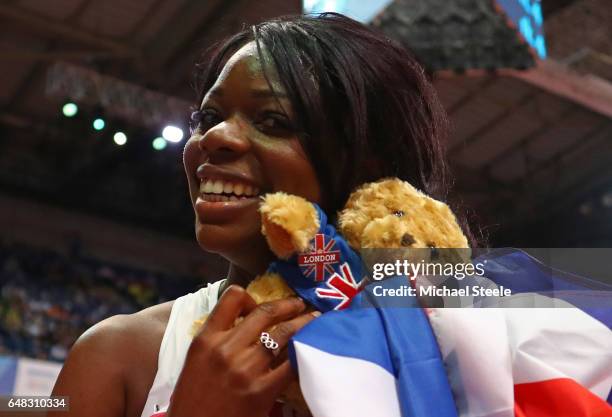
x=49 y=299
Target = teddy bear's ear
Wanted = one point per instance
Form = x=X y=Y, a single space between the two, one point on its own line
x=288 y=222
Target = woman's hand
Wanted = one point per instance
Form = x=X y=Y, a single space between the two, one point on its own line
x=227 y=372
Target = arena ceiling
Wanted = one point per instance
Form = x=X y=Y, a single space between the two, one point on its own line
x=530 y=149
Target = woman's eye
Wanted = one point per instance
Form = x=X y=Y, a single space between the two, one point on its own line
x=275 y=124
x=202 y=120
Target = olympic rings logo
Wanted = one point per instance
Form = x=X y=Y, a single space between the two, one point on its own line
x=267 y=341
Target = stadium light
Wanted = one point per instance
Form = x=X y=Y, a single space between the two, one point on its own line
x=159 y=143
x=70 y=109
x=172 y=133
x=120 y=138
x=98 y=123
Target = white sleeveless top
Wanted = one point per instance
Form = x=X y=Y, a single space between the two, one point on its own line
x=175 y=343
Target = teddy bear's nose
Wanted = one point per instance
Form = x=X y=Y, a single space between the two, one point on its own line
x=407 y=239
x=398 y=213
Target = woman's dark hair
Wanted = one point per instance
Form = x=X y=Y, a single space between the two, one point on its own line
x=364 y=107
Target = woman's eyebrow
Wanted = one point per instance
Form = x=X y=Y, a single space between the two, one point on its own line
x=266 y=93
x=256 y=93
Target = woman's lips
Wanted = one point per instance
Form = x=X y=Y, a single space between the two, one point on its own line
x=212 y=208
x=217 y=198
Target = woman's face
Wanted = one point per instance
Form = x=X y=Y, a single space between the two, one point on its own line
x=245 y=147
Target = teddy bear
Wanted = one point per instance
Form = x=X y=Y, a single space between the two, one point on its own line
x=392 y=214
x=386 y=214
x=308 y=249
x=389 y=213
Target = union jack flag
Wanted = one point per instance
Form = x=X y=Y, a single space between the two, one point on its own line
x=342 y=288
x=318 y=263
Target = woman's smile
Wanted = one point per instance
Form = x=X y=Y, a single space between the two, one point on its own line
x=224 y=193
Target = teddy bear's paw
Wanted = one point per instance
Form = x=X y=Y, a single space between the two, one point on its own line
x=289 y=223
x=269 y=286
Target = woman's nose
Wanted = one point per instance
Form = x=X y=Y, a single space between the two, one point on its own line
x=227 y=139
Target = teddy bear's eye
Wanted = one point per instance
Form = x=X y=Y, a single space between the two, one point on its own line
x=398 y=213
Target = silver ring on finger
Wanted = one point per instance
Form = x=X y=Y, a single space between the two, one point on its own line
x=266 y=341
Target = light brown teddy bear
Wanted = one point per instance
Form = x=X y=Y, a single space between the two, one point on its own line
x=392 y=214
x=386 y=214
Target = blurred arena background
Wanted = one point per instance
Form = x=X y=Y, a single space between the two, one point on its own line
x=94 y=103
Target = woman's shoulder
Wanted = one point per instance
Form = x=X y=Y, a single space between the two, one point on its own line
x=133 y=341
x=144 y=329
x=130 y=341
x=126 y=337
x=112 y=365
x=122 y=330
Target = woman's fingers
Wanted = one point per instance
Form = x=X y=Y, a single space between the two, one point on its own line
x=263 y=317
x=234 y=303
x=275 y=381
x=253 y=376
x=284 y=331
x=280 y=334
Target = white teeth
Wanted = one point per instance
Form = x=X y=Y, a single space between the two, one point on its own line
x=208 y=186
x=238 y=189
x=217 y=187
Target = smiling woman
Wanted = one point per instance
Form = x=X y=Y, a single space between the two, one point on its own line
x=239 y=147
x=311 y=106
